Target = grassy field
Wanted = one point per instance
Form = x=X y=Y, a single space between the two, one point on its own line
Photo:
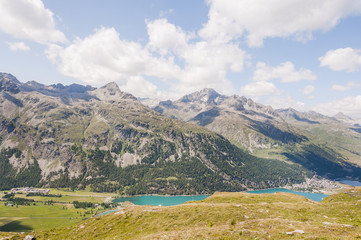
x=39 y=217
x=70 y=196
x=43 y=217
x=227 y=216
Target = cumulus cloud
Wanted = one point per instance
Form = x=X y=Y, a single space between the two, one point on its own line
x=144 y=88
x=104 y=57
x=18 y=46
x=308 y=90
x=205 y=63
x=183 y=63
x=164 y=36
x=348 y=86
x=350 y=106
x=342 y=59
x=285 y=72
x=29 y=19
x=260 y=19
x=258 y=89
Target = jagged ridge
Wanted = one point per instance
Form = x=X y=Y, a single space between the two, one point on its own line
x=78 y=136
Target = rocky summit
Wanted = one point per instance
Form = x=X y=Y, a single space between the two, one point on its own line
x=78 y=136
x=241 y=120
x=324 y=145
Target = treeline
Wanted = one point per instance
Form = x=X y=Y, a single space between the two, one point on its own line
x=19 y=201
x=216 y=166
x=235 y=171
x=84 y=205
x=43 y=195
x=11 y=177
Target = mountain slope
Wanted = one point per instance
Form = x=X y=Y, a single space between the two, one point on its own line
x=77 y=136
x=282 y=134
x=338 y=133
x=241 y=120
x=226 y=216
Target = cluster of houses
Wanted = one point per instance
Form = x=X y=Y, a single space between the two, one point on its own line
x=30 y=190
x=316 y=185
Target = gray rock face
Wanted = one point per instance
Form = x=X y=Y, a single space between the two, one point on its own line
x=80 y=135
x=241 y=120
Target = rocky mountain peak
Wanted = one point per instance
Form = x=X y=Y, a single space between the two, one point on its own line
x=342 y=116
x=9 y=83
x=112 y=87
x=9 y=77
x=111 y=92
x=206 y=96
x=35 y=85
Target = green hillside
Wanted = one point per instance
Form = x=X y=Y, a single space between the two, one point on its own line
x=75 y=136
x=227 y=216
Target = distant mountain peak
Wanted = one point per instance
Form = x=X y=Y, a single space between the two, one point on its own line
x=9 y=77
x=343 y=116
x=35 y=84
x=205 y=96
x=208 y=91
x=9 y=83
x=113 y=86
x=111 y=92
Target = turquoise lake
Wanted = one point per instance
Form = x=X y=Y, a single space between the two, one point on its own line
x=160 y=200
x=313 y=196
x=175 y=200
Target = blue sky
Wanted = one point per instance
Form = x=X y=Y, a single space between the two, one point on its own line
x=303 y=54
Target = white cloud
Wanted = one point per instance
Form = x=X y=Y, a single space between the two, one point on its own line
x=342 y=59
x=164 y=36
x=103 y=57
x=143 y=87
x=286 y=72
x=308 y=90
x=348 y=86
x=15 y=46
x=260 y=19
x=29 y=19
x=258 y=89
x=205 y=63
x=171 y=55
x=350 y=106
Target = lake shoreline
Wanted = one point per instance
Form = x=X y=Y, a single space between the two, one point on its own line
x=326 y=191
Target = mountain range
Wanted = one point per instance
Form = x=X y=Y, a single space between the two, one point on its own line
x=80 y=136
x=328 y=146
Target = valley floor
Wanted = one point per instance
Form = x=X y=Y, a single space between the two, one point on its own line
x=48 y=212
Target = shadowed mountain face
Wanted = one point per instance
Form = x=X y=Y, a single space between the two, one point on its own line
x=340 y=133
x=244 y=122
x=319 y=143
x=76 y=136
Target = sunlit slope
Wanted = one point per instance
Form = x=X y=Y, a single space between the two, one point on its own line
x=77 y=136
x=228 y=215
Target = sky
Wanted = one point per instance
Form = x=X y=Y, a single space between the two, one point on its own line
x=303 y=54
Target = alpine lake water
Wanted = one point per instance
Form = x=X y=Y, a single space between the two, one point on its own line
x=176 y=200
x=160 y=200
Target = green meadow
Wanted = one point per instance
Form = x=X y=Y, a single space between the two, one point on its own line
x=38 y=217
x=226 y=216
x=43 y=216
